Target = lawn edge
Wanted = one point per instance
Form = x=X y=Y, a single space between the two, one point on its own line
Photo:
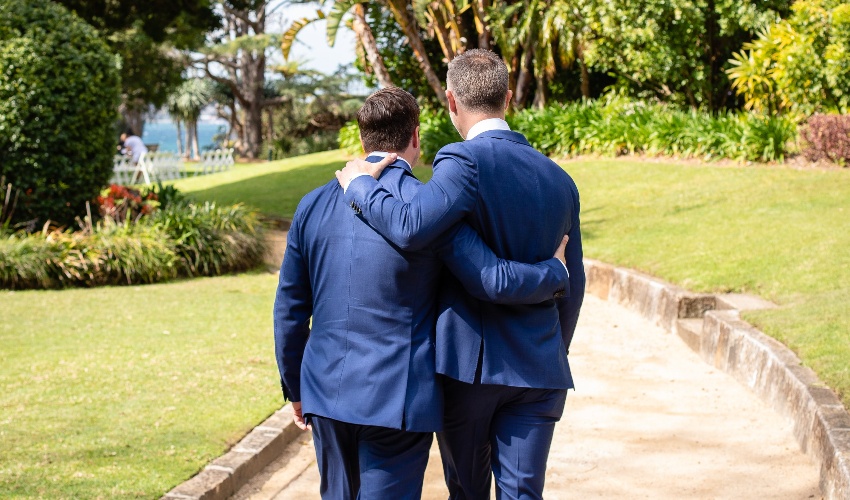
x=711 y=326
x=223 y=477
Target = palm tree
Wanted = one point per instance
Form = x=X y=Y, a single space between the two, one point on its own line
x=337 y=11
x=186 y=104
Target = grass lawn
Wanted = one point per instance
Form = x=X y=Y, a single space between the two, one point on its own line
x=126 y=392
x=775 y=232
x=772 y=231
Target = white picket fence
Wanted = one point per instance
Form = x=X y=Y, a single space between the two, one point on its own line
x=219 y=160
x=165 y=166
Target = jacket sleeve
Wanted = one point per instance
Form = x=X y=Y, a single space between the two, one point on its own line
x=293 y=307
x=569 y=307
x=489 y=278
x=444 y=200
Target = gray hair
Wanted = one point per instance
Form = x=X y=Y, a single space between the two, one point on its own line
x=479 y=80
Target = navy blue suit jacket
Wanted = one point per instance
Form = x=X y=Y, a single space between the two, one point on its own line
x=521 y=203
x=369 y=358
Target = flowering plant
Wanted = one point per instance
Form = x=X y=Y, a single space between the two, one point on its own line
x=121 y=203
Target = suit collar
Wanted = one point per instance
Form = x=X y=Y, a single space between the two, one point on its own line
x=400 y=162
x=508 y=135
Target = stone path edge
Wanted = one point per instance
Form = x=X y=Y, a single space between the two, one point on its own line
x=223 y=477
x=772 y=371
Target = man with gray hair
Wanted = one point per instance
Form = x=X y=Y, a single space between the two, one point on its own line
x=505 y=368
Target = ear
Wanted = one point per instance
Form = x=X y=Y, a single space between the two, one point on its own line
x=450 y=96
x=415 y=139
x=508 y=99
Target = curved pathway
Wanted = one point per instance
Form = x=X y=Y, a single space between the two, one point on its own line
x=649 y=419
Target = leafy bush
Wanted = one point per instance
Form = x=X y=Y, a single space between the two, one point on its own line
x=349 y=138
x=615 y=126
x=59 y=88
x=182 y=240
x=113 y=254
x=800 y=64
x=212 y=240
x=435 y=131
x=827 y=137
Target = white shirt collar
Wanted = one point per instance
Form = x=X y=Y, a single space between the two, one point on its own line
x=487 y=125
x=383 y=154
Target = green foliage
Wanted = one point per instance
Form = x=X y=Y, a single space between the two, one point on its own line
x=211 y=239
x=349 y=138
x=620 y=127
x=58 y=96
x=112 y=254
x=398 y=57
x=670 y=50
x=311 y=108
x=801 y=64
x=435 y=131
x=182 y=240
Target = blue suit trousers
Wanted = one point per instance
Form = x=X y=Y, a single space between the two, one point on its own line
x=369 y=462
x=504 y=429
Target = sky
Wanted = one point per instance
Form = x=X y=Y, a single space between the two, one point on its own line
x=310 y=46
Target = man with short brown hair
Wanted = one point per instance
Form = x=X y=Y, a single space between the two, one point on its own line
x=364 y=376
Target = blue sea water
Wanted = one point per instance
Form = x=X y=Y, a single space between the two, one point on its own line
x=164 y=133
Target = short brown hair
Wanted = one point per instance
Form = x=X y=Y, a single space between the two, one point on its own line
x=387 y=120
x=478 y=79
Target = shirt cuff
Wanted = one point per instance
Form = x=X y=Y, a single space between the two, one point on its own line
x=345 y=188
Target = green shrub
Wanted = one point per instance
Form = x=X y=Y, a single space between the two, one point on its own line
x=212 y=240
x=27 y=261
x=59 y=88
x=615 y=126
x=182 y=240
x=112 y=254
x=435 y=131
x=349 y=138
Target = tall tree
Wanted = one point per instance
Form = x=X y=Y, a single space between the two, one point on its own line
x=365 y=38
x=236 y=57
x=403 y=14
x=186 y=104
x=146 y=34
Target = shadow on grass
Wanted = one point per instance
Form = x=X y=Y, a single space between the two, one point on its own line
x=276 y=193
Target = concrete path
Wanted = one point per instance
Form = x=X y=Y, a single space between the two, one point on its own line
x=649 y=420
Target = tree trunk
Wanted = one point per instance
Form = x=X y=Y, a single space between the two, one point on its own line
x=179 y=137
x=367 y=39
x=133 y=116
x=523 y=81
x=408 y=26
x=196 y=155
x=485 y=40
x=585 y=79
x=540 y=92
x=187 y=153
x=714 y=61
